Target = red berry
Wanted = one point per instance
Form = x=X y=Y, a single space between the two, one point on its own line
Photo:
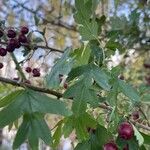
x=135 y=115
x=36 y=72
x=126 y=147
x=65 y=85
x=3 y=52
x=24 y=30
x=1 y=33
x=28 y=69
x=22 y=38
x=1 y=65
x=110 y=146
x=10 y=48
x=146 y=65
x=13 y=42
x=125 y=131
x=11 y=33
x=16 y=78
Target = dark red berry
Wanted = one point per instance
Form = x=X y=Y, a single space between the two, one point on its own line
x=22 y=38
x=1 y=33
x=36 y=72
x=125 y=131
x=3 y=52
x=1 y=65
x=10 y=48
x=135 y=115
x=65 y=85
x=28 y=69
x=13 y=43
x=146 y=65
x=11 y=33
x=110 y=146
x=24 y=30
x=126 y=147
x=18 y=44
x=16 y=78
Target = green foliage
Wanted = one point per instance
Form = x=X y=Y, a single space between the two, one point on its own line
x=63 y=67
x=95 y=93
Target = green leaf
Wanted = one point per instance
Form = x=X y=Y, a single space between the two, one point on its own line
x=58 y=133
x=44 y=104
x=84 y=11
x=101 y=78
x=94 y=72
x=22 y=134
x=41 y=129
x=29 y=101
x=146 y=98
x=89 y=31
x=68 y=126
x=81 y=56
x=9 y=98
x=113 y=93
x=33 y=128
x=146 y=138
x=129 y=91
x=63 y=66
x=96 y=140
x=81 y=123
x=138 y=136
x=82 y=94
x=112 y=45
x=83 y=146
x=14 y=108
x=97 y=51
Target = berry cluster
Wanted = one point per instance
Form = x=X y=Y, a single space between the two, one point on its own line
x=14 y=40
x=34 y=71
x=125 y=132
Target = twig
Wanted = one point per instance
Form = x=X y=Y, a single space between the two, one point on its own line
x=18 y=66
x=23 y=85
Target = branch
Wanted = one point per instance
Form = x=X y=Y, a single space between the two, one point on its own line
x=38 y=46
x=18 y=66
x=59 y=95
x=23 y=85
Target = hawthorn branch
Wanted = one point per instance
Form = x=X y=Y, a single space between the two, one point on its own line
x=39 y=46
x=23 y=85
x=59 y=95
